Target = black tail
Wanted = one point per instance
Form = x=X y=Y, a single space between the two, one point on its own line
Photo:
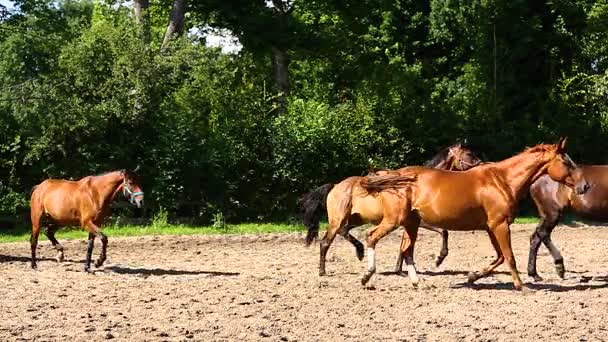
x=312 y=205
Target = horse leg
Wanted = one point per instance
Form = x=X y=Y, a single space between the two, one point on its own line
x=345 y=233
x=104 y=247
x=542 y=233
x=473 y=276
x=444 y=248
x=328 y=238
x=503 y=236
x=372 y=239
x=407 y=249
x=443 y=253
x=94 y=231
x=555 y=253
x=50 y=234
x=36 y=215
x=87 y=261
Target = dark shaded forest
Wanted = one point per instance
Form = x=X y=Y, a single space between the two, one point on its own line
x=320 y=90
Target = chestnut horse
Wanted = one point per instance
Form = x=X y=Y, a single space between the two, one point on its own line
x=84 y=202
x=348 y=206
x=552 y=199
x=481 y=198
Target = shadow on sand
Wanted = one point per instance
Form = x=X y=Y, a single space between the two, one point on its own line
x=552 y=287
x=160 y=271
x=16 y=258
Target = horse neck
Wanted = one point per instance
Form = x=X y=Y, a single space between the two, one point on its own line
x=521 y=171
x=108 y=185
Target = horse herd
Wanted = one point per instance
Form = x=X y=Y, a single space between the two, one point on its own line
x=453 y=191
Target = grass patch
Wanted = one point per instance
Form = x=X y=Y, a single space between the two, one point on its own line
x=526 y=220
x=23 y=234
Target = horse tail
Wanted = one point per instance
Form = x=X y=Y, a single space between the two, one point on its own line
x=391 y=181
x=312 y=205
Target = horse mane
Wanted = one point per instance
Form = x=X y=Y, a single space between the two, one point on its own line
x=107 y=173
x=538 y=148
x=440 y=156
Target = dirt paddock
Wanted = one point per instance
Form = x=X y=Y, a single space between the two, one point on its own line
x=266 y=287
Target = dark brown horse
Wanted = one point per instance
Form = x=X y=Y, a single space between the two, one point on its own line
x=84 y=203
x=481 y=198
x=348 y=206
x=552 y=199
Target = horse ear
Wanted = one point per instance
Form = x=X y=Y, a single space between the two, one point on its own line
x=136 y=169
x=562 y=143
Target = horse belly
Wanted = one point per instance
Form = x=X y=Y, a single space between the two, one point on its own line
x=369 y=208
x=454 y=215
x=62 y=210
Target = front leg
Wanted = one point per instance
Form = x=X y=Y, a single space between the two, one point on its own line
x=87 y=261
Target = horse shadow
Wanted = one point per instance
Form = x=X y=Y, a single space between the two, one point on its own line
x=159 y=271
x=435 y=273
x=552 y=287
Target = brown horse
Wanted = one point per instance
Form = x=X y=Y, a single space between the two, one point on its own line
x=85 y=203
x=481 y=198
x=349 y=206
x=552 y=199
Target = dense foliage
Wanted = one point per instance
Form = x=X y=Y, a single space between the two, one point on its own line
x=371 y=82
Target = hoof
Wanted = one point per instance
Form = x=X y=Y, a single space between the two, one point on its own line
x=59 y=257
x=439 y=261
x=87 y=269
x=322 y=273
x=366 y=278
x=472 y=277
x=34 y=266
x=561 y=270
x=518 y=287
x=98 y=263
x=536 y=277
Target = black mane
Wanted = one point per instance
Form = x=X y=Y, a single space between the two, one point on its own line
x=439 y=157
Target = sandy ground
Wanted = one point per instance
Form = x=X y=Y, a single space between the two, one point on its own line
x=266 y=287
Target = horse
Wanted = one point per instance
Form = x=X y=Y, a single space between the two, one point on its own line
x=348 y=206
x=481 y=198
x=84 y=202
x=552 y=199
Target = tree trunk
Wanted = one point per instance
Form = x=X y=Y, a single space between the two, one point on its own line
x=176 y=22
x=280 y=72
x=142 y=18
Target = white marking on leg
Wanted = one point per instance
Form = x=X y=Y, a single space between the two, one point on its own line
x=411 y=272
x=371 y=260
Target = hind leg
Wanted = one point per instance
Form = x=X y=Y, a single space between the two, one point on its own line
x=345 y=233
x=34 y=244
x=328 y=238
x=35 y=217
x=50 y=234
x=407 y=247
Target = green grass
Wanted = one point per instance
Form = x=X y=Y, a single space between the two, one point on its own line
x=526 y=219
x=23 y=233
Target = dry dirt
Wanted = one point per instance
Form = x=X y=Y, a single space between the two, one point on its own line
x=266 y=287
